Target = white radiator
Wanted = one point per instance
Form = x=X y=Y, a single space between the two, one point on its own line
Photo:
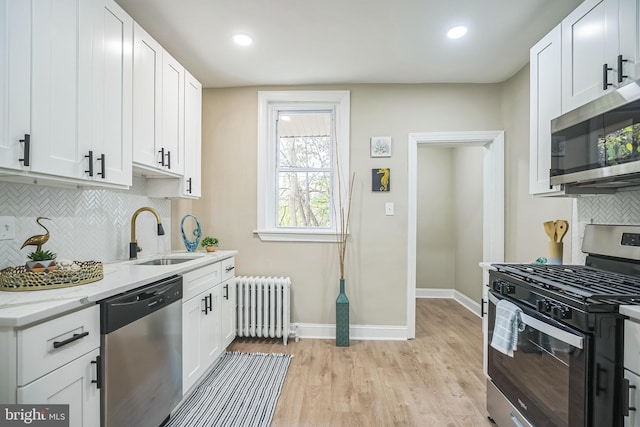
x=263 y=307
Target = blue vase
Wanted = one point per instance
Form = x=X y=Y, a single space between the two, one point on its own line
x=342 y=318
x=191 y=246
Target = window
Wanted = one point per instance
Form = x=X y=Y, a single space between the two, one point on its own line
x=303 y=162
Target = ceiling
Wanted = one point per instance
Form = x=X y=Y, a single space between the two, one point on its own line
x=348 y=41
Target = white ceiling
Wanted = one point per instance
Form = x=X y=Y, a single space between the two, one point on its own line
x=348 y=41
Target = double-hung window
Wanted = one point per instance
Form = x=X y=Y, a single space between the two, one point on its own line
x=303 y=164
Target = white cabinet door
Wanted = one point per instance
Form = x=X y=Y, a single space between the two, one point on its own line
x=228 y=321
x=172 y=113
x=112 y=96
x=589 y=46
x=61 y=34
x=192 y=352
x=633 y=418
x=212 y=343
x=628 y=70
x=192 y=136
x=15 y=83
x=147 y=98
x=545 y=104
x=70 y=384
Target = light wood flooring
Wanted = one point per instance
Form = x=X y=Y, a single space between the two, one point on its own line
x=434 y=380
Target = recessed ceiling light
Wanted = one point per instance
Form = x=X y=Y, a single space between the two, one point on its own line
x=242 y=39
x=457 y=32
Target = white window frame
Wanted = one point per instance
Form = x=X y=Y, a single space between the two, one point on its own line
x=269 y=103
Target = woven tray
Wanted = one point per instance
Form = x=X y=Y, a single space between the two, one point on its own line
x=19 y=279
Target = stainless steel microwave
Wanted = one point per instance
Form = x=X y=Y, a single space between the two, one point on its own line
x=597 y=146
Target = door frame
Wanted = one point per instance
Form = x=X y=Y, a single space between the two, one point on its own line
x=492 y=202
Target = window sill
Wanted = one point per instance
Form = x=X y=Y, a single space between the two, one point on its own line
x=296 y=236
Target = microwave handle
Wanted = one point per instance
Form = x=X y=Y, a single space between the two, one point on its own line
x=545 y=328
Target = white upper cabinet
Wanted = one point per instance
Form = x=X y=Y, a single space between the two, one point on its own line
x=61 y=37
x=15 y=92
x=545 y=59
x=158 y=111
x=109 y=148
x=192 y=183
x=65 y=95
x=147 y=98
x=599 y=50
x=172 y=113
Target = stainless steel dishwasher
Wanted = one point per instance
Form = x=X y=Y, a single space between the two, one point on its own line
x=141 y=337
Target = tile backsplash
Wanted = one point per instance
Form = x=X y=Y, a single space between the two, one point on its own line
x=85 y=224
x=619 y=208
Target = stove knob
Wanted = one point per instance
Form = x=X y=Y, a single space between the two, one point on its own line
x=561 y=312
x=543 y=306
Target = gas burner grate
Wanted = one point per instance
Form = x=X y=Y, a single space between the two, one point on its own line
x=581 y=281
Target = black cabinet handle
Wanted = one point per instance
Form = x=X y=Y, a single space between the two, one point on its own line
x=58 y=344
x=102 y=168
x=90 y=157
x=208 y=304
x=161 y=162
x=169 y=159
x=621 y=76
x=482 y=312
x=627 y=395
x=605 y=77
x=189 y=185
x=98 y=380
x=26 y=154
x=226 y=291
x=229 y=268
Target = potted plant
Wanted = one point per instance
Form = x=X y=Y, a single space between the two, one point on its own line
x=210 y=243
x=41 y=262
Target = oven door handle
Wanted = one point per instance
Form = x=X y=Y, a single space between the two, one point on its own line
x=545 y=328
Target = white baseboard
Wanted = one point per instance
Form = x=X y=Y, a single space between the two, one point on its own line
x=465 y=301
x=356 y=332
x=381 y=332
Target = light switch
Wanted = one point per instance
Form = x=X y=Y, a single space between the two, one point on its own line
x=388 y=208
x=7 y=228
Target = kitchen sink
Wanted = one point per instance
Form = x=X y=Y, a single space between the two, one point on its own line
x=167 y=261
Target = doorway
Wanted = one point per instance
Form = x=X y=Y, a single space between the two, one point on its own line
x=493 y=199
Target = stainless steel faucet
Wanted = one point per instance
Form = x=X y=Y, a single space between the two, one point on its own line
x=133 y=245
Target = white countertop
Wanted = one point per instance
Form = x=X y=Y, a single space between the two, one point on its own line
x=18 y=309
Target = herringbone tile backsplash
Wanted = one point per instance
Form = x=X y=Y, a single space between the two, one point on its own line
x=619 y=208
x=85 y=224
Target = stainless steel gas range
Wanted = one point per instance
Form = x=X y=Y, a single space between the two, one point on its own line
x=567 y=366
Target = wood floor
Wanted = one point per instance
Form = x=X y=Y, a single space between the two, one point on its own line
x=434 y=380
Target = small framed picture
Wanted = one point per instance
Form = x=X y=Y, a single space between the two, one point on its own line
x=381 y=179
x=380 y=146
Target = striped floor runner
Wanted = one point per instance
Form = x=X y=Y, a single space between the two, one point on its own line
x=241 y=390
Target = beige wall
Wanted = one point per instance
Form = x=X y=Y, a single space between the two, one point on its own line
x=468 y=194
x=377 y=254
x=435 y=219
x=525 y=239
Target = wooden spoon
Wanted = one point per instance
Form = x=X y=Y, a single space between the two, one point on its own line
x=561 y=229
x=550 y=229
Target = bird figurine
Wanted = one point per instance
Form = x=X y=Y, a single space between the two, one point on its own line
x=39 y=239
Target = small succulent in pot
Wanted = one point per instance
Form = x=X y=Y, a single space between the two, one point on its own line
x=210 y=243
x=41 y=262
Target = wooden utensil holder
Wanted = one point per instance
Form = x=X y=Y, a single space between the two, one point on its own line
x=555 y=253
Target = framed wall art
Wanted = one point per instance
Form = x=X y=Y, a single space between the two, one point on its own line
x=380 y=146
x=381 y=179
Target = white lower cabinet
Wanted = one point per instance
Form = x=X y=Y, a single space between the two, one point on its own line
x=55 y=362
x=71 y=384
x=208 y=319
x=631 y=397
x=228 y=311
x=631 y=418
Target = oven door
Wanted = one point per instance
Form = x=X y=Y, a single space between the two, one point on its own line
x=545 y=379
